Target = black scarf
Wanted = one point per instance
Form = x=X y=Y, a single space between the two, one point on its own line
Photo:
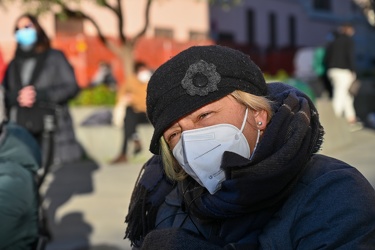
x=149 y=193
x=288 y=143
x=21 y=56
x=293 y=135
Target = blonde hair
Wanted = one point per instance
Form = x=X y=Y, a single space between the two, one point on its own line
x=256 y=103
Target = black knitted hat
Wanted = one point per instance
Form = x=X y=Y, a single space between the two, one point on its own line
x=195 y=77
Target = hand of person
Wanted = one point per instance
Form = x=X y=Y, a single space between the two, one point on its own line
x=127 y=98
x=26 y=96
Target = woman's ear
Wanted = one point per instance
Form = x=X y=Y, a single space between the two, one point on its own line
x=261 y=119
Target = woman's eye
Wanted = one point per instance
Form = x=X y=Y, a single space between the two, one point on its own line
x=27 y=26
x=202 y=116
x=172 y=136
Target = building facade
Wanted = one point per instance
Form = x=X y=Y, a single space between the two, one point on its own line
x=173 y=26
x=274 y=25
x=270 y=30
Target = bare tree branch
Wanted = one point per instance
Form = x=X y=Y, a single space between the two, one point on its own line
x=117 y=11
x=106 y=4
x=78 y=13
x=124 y=50
x=146 y=24
x=121 y=22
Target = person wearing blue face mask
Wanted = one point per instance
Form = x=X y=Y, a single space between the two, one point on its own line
x=38 y=83
x=236 y=164
x=26 y=36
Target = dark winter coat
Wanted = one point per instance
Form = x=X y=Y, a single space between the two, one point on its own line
x=55 y=85
x=19 y=161
x=340 y=53
x=285 y=197
x=329 y=208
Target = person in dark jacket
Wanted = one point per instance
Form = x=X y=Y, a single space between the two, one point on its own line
x=235 y=165
x=340 y=63
x=41 y=78
x=104 y=75
x=20 y=159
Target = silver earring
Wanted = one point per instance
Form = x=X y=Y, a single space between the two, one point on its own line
x=259 y=123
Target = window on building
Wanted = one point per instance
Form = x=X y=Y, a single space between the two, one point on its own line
x=225 y=37
x=272 y=30
x=292 y=31
x=250 y=27
x=322 y=5
x=198 y=36
x=353 y=6
x=164 y=33
x=68 y=27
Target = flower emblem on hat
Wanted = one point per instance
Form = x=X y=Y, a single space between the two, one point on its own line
x=201 y=78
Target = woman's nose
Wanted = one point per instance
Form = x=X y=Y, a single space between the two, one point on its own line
x=186 y=124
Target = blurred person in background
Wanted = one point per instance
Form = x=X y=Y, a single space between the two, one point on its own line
x=319 y=64
x=104 y=75
x=133 y=94
x=236 y=164
x=39 y=82
x=20 y=158
x=340 y=63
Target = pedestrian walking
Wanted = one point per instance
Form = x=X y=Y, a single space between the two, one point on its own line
x=340 y=62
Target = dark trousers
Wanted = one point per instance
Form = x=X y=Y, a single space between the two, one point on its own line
x=327 y=84
x=131 y=121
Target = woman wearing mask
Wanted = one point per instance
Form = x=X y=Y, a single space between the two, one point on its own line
x=236 y=165
x=41 y=81
x=133 y=93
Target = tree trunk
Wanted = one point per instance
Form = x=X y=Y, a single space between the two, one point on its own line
x=125 y=53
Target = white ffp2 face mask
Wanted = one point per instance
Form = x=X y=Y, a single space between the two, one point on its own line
x=144 y=76
x=200 y=151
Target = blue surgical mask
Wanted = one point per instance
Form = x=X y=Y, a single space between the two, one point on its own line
x=26 y=36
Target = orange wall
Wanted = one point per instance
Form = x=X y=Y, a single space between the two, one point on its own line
x=85 y=53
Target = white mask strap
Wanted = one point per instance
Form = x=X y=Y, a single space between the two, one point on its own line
x=244 y=120
x=256 y=144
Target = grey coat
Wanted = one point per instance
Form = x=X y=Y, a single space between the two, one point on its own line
x=55 y=85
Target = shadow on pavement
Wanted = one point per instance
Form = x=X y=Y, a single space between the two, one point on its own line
x=71 y=231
